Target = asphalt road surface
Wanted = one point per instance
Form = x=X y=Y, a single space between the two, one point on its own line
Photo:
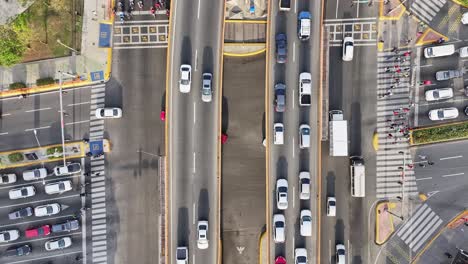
x=193 y=129
x=132 y=170
x=243 y=178
x=19 y=118
x=286 y=161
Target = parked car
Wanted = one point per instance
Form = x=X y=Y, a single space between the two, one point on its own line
x=306 y=223
x=448 y=74
x=439 y=94
x=67 y=226
x=282 y=194
x=9 y=235
x=20 y=251
x=108 y=112
x=35 y=174
x=47 y=209
x=207 y=92
x=443 y=114
x=463 y=52
x=20 y=213
x=7 y=178
x=59 y=243
x=340 y=254
x=331 y=206
x=38 y=231
x=68 y=169
x=466 y=111
x=300 y=256
x=464 y=19
x=202 y=241
x=281 y=48
x=185 y=78
x=279 y=223
x=348 y=48
x=280 y=97
x=304 y=185
x=22 y=192
x=58 y=187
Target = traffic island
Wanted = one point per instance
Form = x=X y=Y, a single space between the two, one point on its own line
x=51 y=153
x=384 y=226
x=391 y=10
x=438 y=134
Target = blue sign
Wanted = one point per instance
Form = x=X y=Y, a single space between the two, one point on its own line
x=96 y=147
x=105 y=35
x=97 y=76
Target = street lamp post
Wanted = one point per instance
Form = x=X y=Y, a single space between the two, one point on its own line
x=68 y=47
x=39 y=144
x=62 y=125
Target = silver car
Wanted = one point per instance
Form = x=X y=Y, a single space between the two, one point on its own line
x=207 y=92
x=448 y=74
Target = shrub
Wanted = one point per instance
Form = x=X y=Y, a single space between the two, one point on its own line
x=15 y=157
x=52 y=151
x=440 y=133
x=13 y=46
x=17 y=85
x=45 y=81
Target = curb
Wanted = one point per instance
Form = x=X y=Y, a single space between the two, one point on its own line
x=396 y=17
x=460 y=4
x=436 y=126
x=243 y=21
x=230 y=54
x=378 y=240
x=260 y=246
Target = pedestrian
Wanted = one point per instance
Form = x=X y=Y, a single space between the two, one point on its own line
x=407 y=69
x=395 y=50
x=398 y=71
x=430 y=163
x=387 y=69
x=408 y=41
x=406 y=74
x=406 y=54
x=400 y=168
x=400 y=182
x=423 y=157
x=97 y=174
x=390 y=135
x=422 y=165
x=83 y=194
x=410 y=166
x=448 y=255
x=395 y=112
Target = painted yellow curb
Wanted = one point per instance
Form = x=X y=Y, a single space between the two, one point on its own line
x=375 y=141
x=379 y=240
x=460 y=3
x=249 y=44
x=422 y=197
x=243 y=21
x=230 y=54
x=260 y=246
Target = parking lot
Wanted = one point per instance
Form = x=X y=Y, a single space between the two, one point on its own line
x=427 y=69
x=71 y=203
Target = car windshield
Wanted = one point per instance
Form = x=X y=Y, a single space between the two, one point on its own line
x=440 y=114
x=306 y=218
x=61 y=243
x=305 y=181
x=279 y=224
x=61 y=186
x=24 y=192
x=102 y=112
x=282 y=189
x=37 y=173
x=332 y=203
x=115 y=112
x=278 y=129
x=436 y=94
x=202 y=227
x=305 y=131
x=301 y=259
x=6 y=236
x=4 y=178
x=49 y=209
x=341 y=252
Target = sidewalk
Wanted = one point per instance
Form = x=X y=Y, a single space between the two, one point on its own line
x=92 y=65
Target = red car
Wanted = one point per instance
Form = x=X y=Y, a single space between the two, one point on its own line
x=36 y=232
x=224 y=138
x=162 y=115
x=280 y=260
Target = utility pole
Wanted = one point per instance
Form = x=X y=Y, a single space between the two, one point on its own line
x=62 y=124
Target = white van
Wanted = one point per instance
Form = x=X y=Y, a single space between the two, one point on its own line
x=358 y=177
x=278 y=136
x=439 y=51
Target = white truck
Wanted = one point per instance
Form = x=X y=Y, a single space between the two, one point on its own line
x=284 y=5
x=305 y=88
x=338 y=134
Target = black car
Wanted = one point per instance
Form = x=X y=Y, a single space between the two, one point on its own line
x=21 y=213
x=23 y=250
x=67 y=226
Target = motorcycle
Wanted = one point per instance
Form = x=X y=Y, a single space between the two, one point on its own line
x=132 y=4
x=122 y=17
x=140 y=4
x=153 y=11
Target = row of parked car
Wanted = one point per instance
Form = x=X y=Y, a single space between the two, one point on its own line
x=24 y=250
x=41 y=173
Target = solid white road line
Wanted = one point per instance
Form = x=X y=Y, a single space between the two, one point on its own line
x=293 y=147
x=6 y=114
x=422 y=179
x=294 y=49
x=193 y=212
x=37 y=128
x=453 y=157
x=194 y=112
x=194 y=162
x=4 y=133
x=82 y=103
x=336 y=11
x=452 y=175
x=198 y=12
x=294 y=195
x=77 y=122
x=37 y=110
x=293 y=100
x=196 y=59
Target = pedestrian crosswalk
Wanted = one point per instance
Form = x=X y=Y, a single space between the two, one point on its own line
x=98 y=182
x=426 y=10
x=395 y=175
x=420 y=227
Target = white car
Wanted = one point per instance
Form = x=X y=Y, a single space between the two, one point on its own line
x=439 y=94
x=207 y=92
x=59 y=243
x=279 y=224
x=348 y=48
x=108 y=112
x=340 y=254
x=58 y=187
x=306 y=223
x=47 y=209
x=304 y=185
x=443 y=114
x=300 y=256
x=7 y=178
x=9 y=235
x=463 y=52
x=185 y=78
x=202 y=241
x=35 y=174
x=278 y=134
x=23 y=192
x=331 y=206
x=464 y=19
x=70 y=168
x=282 y=194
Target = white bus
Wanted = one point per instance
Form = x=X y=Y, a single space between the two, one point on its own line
x=358 y=177
x=439 y=51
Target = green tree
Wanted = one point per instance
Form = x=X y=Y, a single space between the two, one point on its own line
x=12 y=45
